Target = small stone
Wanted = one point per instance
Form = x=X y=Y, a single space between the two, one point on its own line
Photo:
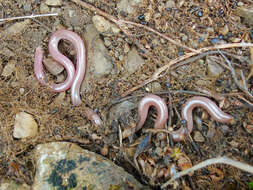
x=134 y=61
x=44 y=8
x=213 y=68
x=9 y=68
x=27 y=6
x=57 y=10
x=52 y=66
x=53 y=2
x=198 y=137
x=126 y=48
x=154 y=87
x=17 y=28
x=21 y=91
x=24 y=126
x=170 y=4
x=107 y=42
x=60 y=78
x=104 y=26
x=128 y=6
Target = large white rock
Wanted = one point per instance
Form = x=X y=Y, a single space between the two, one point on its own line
x=63 y=165
x=25 y=126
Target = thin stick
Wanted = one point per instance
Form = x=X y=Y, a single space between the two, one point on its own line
x=122 y=24
x=29 y=16
x=184 y=58
x=219 y=160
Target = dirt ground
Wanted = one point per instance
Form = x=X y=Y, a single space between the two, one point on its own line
x=196 y=24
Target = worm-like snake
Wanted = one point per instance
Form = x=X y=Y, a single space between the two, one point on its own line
x=74 y=76
x=198 y=101
x=159 y=104
x=152 y=100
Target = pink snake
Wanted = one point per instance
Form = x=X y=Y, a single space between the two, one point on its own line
x=74 y=76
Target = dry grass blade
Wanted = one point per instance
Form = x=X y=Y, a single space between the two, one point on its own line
x=219 y=160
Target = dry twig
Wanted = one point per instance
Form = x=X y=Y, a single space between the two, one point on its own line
x=122 y=24
x=219 y=160
x=186 y=60
x=29 y=16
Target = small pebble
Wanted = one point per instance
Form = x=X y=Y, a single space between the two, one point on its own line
x=52 y=66
x=9 y=68
x=18 y=27
x=21 y=90
x=213 y=68
x=44 y=8
x=53 y=2
x=170 y=4
x=24 y=126
x=60 y=78
x=107 y=42
x=103 y=25
x=198 y=137
x=126 y=48
x=27 y=7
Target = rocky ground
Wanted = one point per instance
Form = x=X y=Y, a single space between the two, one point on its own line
x=46 y=142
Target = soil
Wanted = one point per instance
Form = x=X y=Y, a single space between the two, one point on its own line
x=20 y=91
